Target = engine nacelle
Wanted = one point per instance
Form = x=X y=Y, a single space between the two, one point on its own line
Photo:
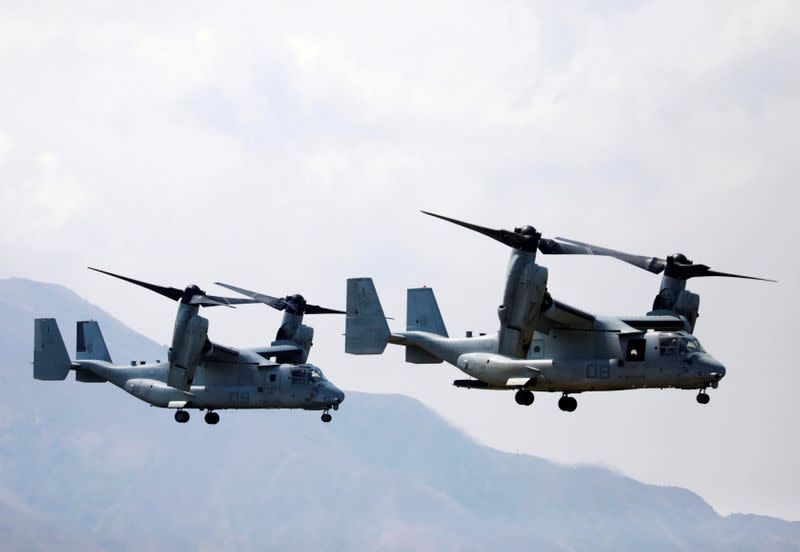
x=526 y=288
x=188 y=340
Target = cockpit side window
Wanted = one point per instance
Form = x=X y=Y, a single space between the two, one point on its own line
x=306 y=375
x=300 y=375
x=636 y=348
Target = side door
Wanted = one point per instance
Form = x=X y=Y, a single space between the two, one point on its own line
x=270 y=385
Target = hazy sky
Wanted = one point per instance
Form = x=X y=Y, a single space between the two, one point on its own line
x=287 y=147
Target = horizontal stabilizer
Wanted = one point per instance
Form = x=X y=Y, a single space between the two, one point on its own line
x=50 y=358
x=366 y=330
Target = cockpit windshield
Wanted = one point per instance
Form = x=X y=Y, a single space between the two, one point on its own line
x=310 y=374
x=689 y=345
x=671 y=345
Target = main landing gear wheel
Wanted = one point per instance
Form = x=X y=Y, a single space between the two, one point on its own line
x=326 y=417
x=181 y=416
x=212 y=418
x=703 y=398
x=524 y=397
x=567 y=404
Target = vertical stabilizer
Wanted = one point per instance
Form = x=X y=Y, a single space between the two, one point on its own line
x=422 y=312
x=50 y=358
x=366 y=330
x=90 y=342
x=423 y=315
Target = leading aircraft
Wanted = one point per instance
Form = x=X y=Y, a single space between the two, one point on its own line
x=199 y=373
x=546 y=345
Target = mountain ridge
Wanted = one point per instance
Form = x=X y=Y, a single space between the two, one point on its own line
x=388 y=473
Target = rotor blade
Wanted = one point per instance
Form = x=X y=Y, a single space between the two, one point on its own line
x=205 y=301
x=216 y=301
x=512 y=239
x=274 y=302
x=233 y=300
x=699 y=270
x=316 y=309
x=651 y=264
x=171 y=292
x=553 y=247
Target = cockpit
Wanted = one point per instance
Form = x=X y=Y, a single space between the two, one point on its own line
x=307 y=374
x=678 y=344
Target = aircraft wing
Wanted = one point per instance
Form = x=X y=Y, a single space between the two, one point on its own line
x=561 y=315
x=663 y=323
x=221 y=353
x=275 y=350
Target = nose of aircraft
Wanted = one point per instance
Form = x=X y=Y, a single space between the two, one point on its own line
x=332 y=393
x=710 y=366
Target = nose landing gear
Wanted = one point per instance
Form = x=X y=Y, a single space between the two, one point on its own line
x=181 y=416
x=326 y=417
x=567 y=403
x=524 y=397
x=702 y=397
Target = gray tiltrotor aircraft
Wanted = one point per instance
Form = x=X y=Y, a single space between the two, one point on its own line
x=544 y=344
x=199 y=373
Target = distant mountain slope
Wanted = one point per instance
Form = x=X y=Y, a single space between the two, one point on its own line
x=85 y=464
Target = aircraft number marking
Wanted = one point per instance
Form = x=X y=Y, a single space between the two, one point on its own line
x=598 y=371
x=239 y=397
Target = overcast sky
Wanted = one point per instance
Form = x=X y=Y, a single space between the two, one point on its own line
x=286 y=147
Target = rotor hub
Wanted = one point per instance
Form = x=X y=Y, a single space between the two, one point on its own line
x=191 y=291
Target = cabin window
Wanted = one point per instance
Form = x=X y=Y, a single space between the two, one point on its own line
x=635 y=352
x=668 y=346
x=273 y=378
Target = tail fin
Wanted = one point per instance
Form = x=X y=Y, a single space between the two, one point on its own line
x=366 y=330
x=422 y=314
x=90 y=342
x=50 y=358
